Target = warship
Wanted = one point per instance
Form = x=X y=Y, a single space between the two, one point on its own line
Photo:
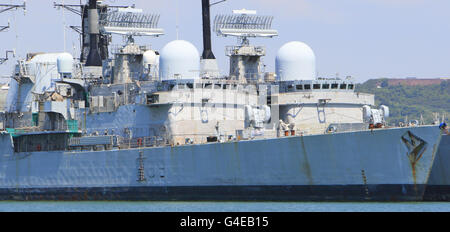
x=147 y=124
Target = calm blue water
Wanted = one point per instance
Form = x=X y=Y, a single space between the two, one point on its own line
x=221 y=207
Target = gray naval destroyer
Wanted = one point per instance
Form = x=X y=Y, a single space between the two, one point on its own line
x=165 y=125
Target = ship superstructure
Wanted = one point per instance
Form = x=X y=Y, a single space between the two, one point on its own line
x=147 y=124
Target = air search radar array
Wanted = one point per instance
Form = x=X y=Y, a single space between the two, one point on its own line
x=130 y=22
x=244 y=24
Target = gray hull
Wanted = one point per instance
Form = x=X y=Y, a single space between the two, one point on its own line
x=386 y=165
x=438 y=188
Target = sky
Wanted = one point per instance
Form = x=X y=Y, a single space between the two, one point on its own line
x=364 y=39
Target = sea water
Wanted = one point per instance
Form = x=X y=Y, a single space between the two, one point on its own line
x=123 y=206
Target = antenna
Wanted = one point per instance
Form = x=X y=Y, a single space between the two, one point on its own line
x=178 y=18
x=8 y=7
x=130 y=22
x=244 y=24
x=82 y=10
x=246 y=62
x=64 y=27
x=3 y=60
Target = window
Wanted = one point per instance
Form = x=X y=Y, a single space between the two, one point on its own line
x=326 y=86
x=190 y=86
x=208 y=86
x=180 y=86
x=307 y=86
x=290 y=87
x=217 y=86
x=198 y=86
x=351 y=86
x=299 y=87
x=343 y=86
x=316 y=86
x=334 y=86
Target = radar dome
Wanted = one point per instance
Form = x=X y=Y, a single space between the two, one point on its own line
x=179 y=59
x=64 y=63
x=295 y=61
x=150 y=58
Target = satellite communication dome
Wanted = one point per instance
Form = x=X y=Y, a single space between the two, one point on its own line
x=295 y=61
x=64 y=63
x=150 y=58
x=179 y=59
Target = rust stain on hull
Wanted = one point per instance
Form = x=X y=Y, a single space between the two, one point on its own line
x=416 y=148
x=305 y=164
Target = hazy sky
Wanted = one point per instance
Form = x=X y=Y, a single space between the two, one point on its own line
x=362 y=38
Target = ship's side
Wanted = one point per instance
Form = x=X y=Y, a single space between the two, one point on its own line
x=164 y=125
x=353 y=166
x=439 y=184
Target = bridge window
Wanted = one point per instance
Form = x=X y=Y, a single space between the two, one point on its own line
x=334 y=86
x=307 y=86
x=351 y=87
x=343 y=86
x=326 y=86
x=316 y=86
x=299 y=87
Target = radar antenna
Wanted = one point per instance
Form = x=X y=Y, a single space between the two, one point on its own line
x=130 y=22
x=244 y=24
x=245 y=60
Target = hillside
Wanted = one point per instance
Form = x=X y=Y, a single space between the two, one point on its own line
x=410 y=100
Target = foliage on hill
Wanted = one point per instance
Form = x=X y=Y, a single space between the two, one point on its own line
x=410 y=101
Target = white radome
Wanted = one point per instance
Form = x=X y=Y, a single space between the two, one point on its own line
x=150 y=58
x=295 y=61
x=64 y=63
x=179 y=59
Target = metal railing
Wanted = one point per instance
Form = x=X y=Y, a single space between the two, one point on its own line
x=142 y=142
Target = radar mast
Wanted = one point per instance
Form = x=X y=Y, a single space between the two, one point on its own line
x=245 y=59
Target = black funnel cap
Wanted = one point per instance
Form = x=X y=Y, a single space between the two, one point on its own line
x=207 y=48
x=93 y=58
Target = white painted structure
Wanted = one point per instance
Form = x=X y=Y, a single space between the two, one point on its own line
x=179 y=59
x=295 y=61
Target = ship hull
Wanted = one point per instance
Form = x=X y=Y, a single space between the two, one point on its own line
x=283 y=193
x=375 y=165
x=438 y=188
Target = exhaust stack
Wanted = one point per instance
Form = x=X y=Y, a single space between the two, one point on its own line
x=208 y=65
x=94 y=59
x=207 y=50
